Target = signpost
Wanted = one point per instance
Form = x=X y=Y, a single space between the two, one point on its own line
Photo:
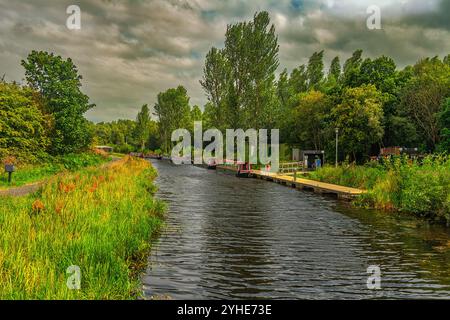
x=10 y=169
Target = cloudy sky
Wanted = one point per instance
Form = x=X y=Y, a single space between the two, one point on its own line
x=129 y=50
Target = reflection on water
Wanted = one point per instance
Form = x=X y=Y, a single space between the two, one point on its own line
x=249 y=239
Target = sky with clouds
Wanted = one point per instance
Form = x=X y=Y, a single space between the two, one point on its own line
x=129 y=50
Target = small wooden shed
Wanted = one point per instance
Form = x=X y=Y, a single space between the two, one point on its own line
x=313 y=159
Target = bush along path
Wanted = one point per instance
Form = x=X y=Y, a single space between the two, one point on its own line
x=418 y=188
x=99 y=220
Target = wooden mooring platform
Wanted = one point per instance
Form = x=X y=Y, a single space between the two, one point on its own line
x=291 y=180
x=305 y=184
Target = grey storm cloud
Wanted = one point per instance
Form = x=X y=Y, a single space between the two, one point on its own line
x=128 y=51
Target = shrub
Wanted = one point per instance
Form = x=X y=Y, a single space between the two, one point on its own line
x=425 y=188
x=421 y=188
x=364 y=177
x=24 y=126
x=124 y=148
x=81 y=160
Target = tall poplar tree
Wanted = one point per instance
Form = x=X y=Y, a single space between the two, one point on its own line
x=315 y=70
x=143 y=126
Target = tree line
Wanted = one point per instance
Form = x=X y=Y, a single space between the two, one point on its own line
x=172 y=111
x=371 y=101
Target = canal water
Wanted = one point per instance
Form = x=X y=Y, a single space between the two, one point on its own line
x=234 y=238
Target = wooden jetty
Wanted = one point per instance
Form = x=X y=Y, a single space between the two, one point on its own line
x=290 y=179
x=305 y=184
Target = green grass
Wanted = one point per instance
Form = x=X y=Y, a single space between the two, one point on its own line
x=422 y=189
x=362 y=177
x=100 y=219
x=26 y=174
x=117 y=154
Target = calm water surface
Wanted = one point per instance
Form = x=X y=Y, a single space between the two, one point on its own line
x=232 y=238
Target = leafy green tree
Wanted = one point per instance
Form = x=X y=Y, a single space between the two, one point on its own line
x=315 y=70
x=447 y=59
x=58 y=81
x=216 y=83
x=359 y=119
x=240 y=79
x=283 y=89
x=120 y=134
x=310 y=117
x=351 y=69
x=196 y=113
x=444 y=121
x=117 y=137
x=380 y=72
x=24 y=126
x=154 y=142
x=285 y=95
x=258 y=51
x=209 y=116
x=402 y=132
x=235 y=53
x=335 y=69
x=422 y=98
x=173 y=112
x=102 y=133
x=298 y=80
x=331 y=84
x=127 y=128
x=142 y=132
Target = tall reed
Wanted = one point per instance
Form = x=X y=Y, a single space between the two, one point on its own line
x=100 y=219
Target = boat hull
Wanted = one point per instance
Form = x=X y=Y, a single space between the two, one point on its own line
x=243 y=174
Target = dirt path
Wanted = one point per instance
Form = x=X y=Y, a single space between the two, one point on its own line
x=33 y=187
x=23 y=190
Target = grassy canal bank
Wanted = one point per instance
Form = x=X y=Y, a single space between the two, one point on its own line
x=32 y=172
x=99 y=219
x=402 y=185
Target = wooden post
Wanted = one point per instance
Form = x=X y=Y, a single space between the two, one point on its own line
x=337 y=138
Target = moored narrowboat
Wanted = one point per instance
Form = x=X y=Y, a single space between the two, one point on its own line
x=243 y=170
x=212 y=165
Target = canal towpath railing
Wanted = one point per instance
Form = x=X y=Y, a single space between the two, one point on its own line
x=290 y=167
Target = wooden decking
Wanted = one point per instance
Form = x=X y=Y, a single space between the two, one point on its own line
x=306 y=184
x=301 y=183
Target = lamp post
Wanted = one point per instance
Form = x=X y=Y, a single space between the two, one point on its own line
x=337 y=139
